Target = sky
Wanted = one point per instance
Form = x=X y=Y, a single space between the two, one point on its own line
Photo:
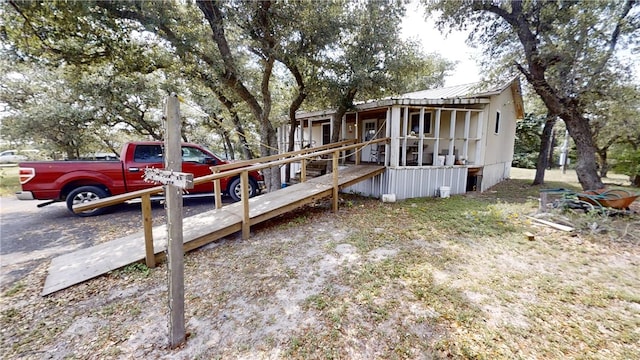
x=452 y=47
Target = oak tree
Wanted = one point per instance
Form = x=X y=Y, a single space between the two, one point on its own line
x=565 y=50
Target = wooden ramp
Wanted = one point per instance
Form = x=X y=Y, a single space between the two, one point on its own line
x=84 y=264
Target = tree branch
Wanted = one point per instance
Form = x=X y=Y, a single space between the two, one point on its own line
x=17 y=8
x=613 y=41
x=230 y=77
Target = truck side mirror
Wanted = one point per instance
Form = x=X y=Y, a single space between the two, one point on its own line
x=210 y=161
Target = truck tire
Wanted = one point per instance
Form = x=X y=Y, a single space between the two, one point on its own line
x=235 y=189
x=86 y=194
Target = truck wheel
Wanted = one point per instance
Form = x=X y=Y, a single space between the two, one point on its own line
x=235 y=189
x=86 y=194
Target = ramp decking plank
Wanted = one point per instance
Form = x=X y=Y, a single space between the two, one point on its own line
x=84 y=264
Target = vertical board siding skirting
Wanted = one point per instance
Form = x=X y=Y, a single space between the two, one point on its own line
x=413 y=182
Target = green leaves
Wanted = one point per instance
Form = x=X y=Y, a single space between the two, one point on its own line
x=247 y=64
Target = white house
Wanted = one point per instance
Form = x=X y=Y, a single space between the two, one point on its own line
x=461 y=137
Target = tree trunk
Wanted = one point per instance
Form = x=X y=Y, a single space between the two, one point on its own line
x=337 y=124
x=226 y=141
x=578 y=128
x=546 y=147
x=295 y=105
x=268 y=147
x=231 y=79
x=566 y=106
x=345 y=104
x=235 y=119
x=586 y=168
x=577 y=125
x=229 y=152
x=604 y=165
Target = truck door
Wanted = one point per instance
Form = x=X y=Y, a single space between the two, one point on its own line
x=144 y=156
x=194 y=161
x=198 y=163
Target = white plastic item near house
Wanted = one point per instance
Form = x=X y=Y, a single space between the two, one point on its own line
x=445 y=191
x=388 y=197
x=451 y=160
x=440 y=160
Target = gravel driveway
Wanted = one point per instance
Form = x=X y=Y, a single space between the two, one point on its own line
x=30 y=235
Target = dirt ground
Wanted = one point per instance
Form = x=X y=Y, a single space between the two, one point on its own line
x=430 y=278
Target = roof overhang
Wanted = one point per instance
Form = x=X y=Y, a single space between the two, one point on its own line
x=422 y=102
x=323 y=114
x=457 y=95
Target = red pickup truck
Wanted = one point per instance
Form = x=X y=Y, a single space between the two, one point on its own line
x=82 y=181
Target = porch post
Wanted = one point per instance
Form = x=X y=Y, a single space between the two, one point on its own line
x=331 y=119
x=357 y=153
x=452 y=132
x=310 y=124
x=421 y=136
x=467 y=124
x=481 y=140
x=436 y=131
x=387 y=133
x=394 y=126
x=279 y=138
x=404 y=133
x=301 y=135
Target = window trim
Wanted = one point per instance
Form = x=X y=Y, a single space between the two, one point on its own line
x=428 y=115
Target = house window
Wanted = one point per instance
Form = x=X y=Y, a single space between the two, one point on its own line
x=415 y=123
x=497 y=129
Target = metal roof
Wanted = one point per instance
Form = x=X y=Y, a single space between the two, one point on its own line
x=473 y=93
x=472 y=90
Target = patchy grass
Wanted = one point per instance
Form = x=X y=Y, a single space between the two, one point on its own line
x=9 y=182
x=424 y=278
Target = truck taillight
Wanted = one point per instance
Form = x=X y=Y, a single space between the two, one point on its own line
x=26 y=174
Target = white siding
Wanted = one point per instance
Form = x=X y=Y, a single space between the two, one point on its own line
x=493 y=174
x=373 y=187
x=413 y=182
x=500 y=146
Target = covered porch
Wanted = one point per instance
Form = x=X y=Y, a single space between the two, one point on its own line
x=430 y=146
x=460 y=137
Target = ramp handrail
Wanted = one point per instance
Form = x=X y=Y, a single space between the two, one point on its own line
x=241 y=168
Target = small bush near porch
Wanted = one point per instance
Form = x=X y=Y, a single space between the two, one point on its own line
x=442 y=278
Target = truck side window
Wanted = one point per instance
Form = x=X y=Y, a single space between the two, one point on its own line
x=148 y=153
x=190 y=154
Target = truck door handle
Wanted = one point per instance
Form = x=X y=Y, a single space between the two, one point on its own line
x=134 y=169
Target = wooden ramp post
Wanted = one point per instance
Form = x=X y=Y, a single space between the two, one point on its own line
x=217 y=190
x=336 y=187
x=246 y=221
x=150 y=255
x=174 y=182
x=175 y=253
x=303 y=170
